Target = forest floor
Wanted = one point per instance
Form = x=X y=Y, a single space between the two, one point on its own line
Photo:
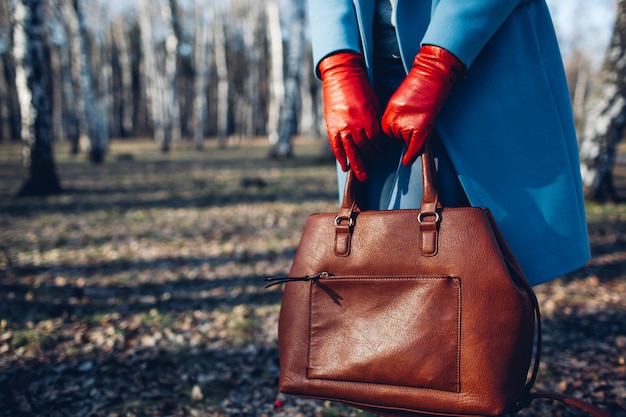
x=139 y=291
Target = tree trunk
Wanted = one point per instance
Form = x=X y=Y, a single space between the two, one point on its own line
x=288 y=118
x=94 y=124
x=171 y=18
x=221 y=68
x=97 y=129
x=9 y=104
x=581 y=85
x=150 y=76
x=4 y=88
x=5 y=113
x=311 y=117
x=605 y=116
x=160 y=75
x=71 y=101
x=105 y=82
x=125 y=99
x=252 y=50
x=32 y=71
x=5 y=44
x=276 y=70
x=578 y=72
x=56 y=81
x=201 y=53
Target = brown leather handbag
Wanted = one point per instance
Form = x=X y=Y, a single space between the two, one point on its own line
x=408 y=312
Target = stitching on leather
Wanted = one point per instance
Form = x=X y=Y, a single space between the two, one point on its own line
x=308 y=349
x=458 y=341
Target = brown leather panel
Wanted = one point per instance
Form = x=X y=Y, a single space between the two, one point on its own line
x=356 y=336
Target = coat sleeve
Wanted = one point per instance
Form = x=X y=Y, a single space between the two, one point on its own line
x=334 y=27
x=463 y=27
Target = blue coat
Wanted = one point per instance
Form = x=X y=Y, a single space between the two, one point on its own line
x=508 y=126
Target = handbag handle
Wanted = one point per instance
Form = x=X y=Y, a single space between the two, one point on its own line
x=430 y=199
x=428 y=216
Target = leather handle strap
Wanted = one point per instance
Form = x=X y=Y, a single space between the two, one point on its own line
x=345 y=220
x=430 y=200
x=428 y=217
x=349 y=192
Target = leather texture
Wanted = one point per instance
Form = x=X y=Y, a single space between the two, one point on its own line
x=407 y=312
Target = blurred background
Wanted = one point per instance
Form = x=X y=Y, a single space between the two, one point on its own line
x=184 y=70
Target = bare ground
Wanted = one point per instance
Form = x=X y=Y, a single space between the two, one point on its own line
x=138 y=291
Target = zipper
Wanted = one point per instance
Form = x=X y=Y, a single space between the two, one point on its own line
x=281 y=280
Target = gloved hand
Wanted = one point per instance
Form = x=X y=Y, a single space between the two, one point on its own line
x=351 y=111
x=413 y=108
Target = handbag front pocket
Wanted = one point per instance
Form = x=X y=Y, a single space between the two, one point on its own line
x=386 y=330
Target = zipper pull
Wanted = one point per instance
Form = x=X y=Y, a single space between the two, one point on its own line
x=281 y=280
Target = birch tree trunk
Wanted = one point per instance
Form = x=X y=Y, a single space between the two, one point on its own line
x=253 y=52
x=5 y=114
x=29 y=50
x=56 y=80
x=311 y=117
x=9 y=103
x=97 y=128
x=105 y=81
x=160 y=74
x=122 y=48
x=578 y=71
x=605 y=116
x=92 y=119
x=5 y=44
x=201 y=53
x=71 y=103
x=276 y=70
x=71 y=109
x=221 y=68
x=289 y=108
x=171 y=17
x=152 y=79
x=10 y=106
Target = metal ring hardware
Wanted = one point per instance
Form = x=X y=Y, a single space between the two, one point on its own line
x=339 y=219
x=420 y=217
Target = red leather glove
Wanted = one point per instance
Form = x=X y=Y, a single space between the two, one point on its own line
x=414 y=106
x=351 y=111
